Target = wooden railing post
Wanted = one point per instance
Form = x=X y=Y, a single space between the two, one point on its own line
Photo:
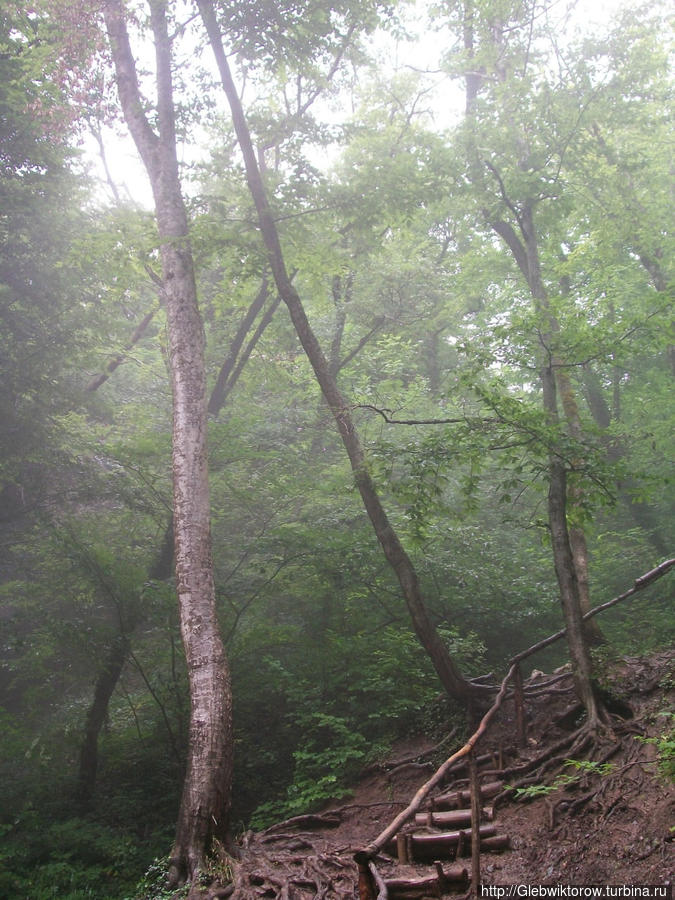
x=366 y=887
x=476 y=806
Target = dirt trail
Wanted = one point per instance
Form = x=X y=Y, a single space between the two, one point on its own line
x=609 y=819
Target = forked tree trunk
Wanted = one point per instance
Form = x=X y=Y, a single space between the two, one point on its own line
x=577 y=535
x=451 y=678
x=523 y=246
x=569 y=569
x=204 y=808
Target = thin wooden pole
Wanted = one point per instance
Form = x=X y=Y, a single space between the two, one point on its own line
x=402 y=849
x=376 y=845
x=475 y=823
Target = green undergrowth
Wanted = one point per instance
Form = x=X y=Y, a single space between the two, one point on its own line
x=582 y=767
x=665 y=746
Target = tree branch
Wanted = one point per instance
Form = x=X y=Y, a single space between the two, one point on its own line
x=217 y=395
x=463 y=420
x=140 y=330
x=126 y=76
x=379 y=321
x=515 y=245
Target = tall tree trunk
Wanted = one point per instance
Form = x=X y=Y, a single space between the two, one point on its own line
x=553 y=376
x=205 y=801
x=575 y=495
x=450 y=676
x=564 y=566
x=524 y=248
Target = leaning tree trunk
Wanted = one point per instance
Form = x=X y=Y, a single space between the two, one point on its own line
x=205 y=801
x=451 y=678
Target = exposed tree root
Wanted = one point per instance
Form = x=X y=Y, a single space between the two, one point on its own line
x=532 y=770
x=318 y=820
x=396 y=764
x=285 y=875
x=608 y=789
x=291 y=860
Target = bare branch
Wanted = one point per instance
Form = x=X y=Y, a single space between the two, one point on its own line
x=361 y=344
x=100 y=379
x=462 y=420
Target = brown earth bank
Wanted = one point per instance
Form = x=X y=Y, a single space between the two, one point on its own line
x=606 y=818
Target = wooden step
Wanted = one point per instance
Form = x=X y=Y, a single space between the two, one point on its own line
x=496 y=844
x=456 y=818
x=441 y=844
x=455 y=878
x=459 y=799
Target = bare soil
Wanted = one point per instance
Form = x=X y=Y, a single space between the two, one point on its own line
x=612 y=823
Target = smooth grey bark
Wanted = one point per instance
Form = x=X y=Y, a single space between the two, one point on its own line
x=451 y=678
x=205 y=802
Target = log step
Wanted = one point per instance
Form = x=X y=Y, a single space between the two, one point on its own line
x=459 y=799
x=456 y=818
x=448 y=845
x=445 y=838
x=455 y=877
x=496 y=844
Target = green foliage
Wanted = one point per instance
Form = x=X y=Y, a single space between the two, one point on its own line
x=582 y=767
x=323 y=768
x=296 y=34
x=392 y=692
x=40 y=294
x=153 y=885
x=665 y=747
x=73 y=859
x=424 y=314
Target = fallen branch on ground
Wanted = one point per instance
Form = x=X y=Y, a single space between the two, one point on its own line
x=329 y=819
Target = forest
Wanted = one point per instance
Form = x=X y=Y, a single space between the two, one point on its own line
x=336 y=369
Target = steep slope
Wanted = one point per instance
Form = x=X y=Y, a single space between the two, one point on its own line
x=605 y=818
